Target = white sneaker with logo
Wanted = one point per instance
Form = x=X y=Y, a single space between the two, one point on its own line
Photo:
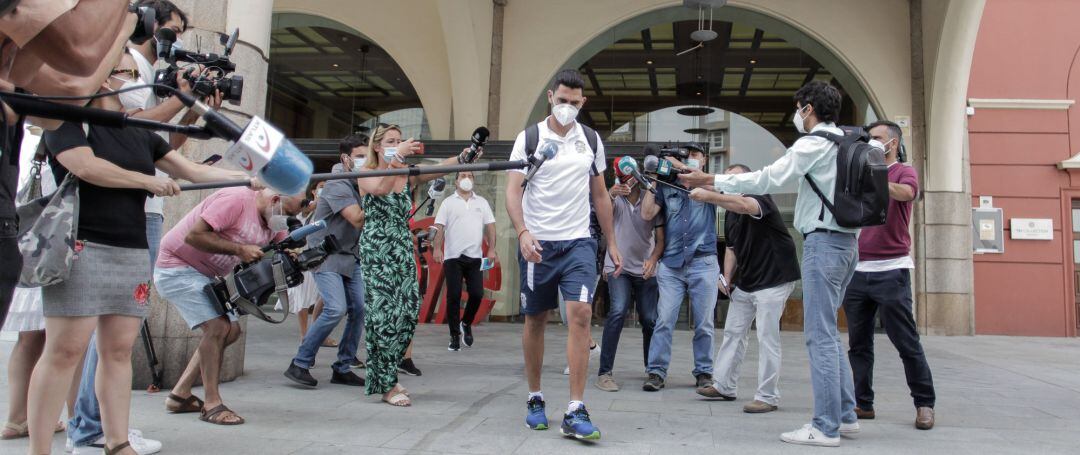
x=141 y=445
x=809 y=436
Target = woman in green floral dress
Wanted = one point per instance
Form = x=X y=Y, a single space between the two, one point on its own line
x=392 y=295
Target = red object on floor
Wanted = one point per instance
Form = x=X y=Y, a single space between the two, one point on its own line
x=433 y=305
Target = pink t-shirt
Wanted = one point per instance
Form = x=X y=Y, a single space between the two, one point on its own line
x=232 y=213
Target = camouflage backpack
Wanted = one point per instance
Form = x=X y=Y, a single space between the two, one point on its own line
x=47 y=233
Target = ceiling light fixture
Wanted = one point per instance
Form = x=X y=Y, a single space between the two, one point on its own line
x=335 y=65
x=648 y=62
x=753 y=62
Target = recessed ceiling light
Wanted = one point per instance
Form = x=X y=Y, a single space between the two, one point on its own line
x=753 y=62
x=698 y=93
x=648 y=62
x=335 y=65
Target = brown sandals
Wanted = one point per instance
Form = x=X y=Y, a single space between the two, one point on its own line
x=116 y=449
x=218 y=416
x=183 y=405
x=14 y=430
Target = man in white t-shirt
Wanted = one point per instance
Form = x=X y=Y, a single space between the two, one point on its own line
x=463 y=223
x=557 y=254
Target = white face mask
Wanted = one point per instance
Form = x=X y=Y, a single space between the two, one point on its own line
x=358 y=162
x=465 y=185
x=318 y=192
x=886 y=144
x=876 y=143
x=135 y=99
x=389 y=153
x=564 y=113
x=693 y=163
x=799 y=121
x=278 y=221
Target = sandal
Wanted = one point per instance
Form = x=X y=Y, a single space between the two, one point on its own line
x=14 y=430
x=184 y=405
x=116 y=450
x=216 y=417
x=398 y=399
x=329 y=343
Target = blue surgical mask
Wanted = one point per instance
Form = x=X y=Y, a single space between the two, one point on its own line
x=389 y=153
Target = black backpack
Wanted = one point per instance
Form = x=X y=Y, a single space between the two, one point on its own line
x=532 y=139
x=861 y=196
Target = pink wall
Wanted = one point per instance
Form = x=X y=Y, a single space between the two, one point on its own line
x=1014 y=153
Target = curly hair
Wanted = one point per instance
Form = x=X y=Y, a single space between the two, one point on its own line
x=824 y=97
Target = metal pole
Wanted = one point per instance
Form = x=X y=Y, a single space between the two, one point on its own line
x=414 y=170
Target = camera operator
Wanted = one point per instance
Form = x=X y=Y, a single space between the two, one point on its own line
x=115 y=167
x=688 y=266
x=229 y=227
x=41 y=33
x=339 y=278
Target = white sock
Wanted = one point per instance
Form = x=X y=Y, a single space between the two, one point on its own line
x=538 y=394
x=574 y=406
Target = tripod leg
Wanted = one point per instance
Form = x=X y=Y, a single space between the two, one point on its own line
x=151 y=359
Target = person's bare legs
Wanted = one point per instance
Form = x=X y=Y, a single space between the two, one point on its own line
x=532 y=344
x=302 y=320
x=217 y=334
x=408 y=351
x=24 y=356
x=73 y=391
x=52 y=376
x=183 y=385
x=116 y=336
x=577 y=346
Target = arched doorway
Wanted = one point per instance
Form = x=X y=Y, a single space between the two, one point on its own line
x=327 y=80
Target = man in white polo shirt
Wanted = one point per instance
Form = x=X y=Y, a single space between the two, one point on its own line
x=557 y=254
x=463 y=222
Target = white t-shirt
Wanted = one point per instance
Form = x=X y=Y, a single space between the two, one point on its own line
x=146 y=76
x=556 y=202
x=464 y=221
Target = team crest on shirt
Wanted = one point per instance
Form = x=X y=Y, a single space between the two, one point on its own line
x=579 y=146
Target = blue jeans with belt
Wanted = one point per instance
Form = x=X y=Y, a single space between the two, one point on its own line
x=85 y=426
x=624 y=290
x=829 y=260
x=698 y=278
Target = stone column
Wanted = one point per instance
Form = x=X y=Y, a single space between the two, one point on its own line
x=174 y=342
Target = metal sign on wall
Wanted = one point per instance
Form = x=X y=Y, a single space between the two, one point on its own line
x=987 y=230
x=1031 y=229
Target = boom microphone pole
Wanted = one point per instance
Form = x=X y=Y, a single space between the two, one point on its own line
x=94 y=116
x=415 y=170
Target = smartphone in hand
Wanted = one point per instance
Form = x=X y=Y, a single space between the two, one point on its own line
x=487 y=264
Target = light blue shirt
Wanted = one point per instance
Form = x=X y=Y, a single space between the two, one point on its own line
x=809 y=156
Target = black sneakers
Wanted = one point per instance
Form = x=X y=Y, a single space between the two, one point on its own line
x=455 y=344
x=653 y=384
x=300 y=375
x=347 y=378
x=408 y=367
x=466 y=334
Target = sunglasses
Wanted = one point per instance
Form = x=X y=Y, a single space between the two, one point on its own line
x=132 y=73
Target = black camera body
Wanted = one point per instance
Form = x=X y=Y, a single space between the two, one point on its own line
x=215 y=78
x=250 y=285
x=674 y=151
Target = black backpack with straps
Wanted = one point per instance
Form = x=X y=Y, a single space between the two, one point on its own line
x=532 y=140
x=861 y=194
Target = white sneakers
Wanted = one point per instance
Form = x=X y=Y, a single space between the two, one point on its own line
x=847 y=429
x=810 y=436
x=141 y=445
x=594 y=352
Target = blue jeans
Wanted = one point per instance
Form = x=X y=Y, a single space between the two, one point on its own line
x=698 y=279
x=621 y=290
x=342 y=296
x=828 y=263
x=85 y=426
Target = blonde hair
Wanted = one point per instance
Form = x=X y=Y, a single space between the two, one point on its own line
x=377 y=136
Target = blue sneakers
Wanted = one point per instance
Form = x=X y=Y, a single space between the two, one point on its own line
x=578 y=425
x=536 y=419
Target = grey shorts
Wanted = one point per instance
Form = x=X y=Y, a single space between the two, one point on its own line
x=184 y=287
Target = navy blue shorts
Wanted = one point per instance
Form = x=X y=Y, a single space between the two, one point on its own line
x=566 y=265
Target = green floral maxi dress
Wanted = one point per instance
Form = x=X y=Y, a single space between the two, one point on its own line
x=391 y=292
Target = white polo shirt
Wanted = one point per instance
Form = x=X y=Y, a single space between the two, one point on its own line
x=556 y=202
x=464 y=220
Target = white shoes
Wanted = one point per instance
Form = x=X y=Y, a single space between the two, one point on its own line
x=810 y=436
x=141 y=445
x=594 y=352
x=847 y=429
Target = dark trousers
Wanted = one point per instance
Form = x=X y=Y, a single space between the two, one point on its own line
x=13 y=261
x=624 y=290
x=467 y=269
x=888 y=295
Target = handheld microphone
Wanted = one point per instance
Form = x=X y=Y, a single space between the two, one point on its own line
x=478 y=139
x=629 y=166
x=302 y=233
x=435 y=189
x=651 y=164
x=544 y=153
x=258 y=149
